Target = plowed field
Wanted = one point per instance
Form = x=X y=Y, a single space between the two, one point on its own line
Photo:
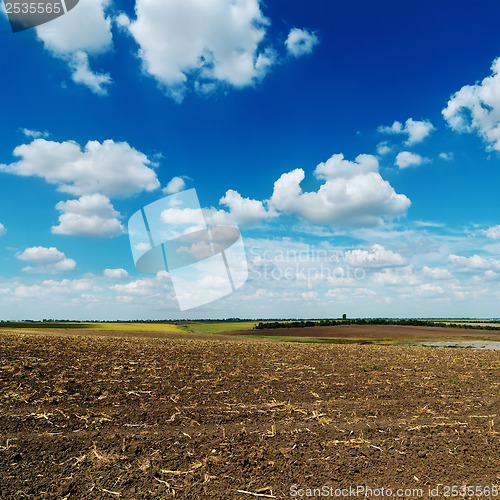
x=100 y=417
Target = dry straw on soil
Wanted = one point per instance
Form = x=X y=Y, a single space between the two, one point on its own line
x=99 y=418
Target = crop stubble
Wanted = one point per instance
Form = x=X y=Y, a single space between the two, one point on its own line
x=92 y=417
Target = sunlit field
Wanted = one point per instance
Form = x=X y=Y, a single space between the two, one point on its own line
x=87 y=416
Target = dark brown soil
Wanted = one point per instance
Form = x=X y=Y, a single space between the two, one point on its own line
x=92 y=417
x=375 y=331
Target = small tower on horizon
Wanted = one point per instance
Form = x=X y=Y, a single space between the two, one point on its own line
x=344 y=316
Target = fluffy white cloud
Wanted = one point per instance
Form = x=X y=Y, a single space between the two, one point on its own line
x=476 y=108
x=142 y=247
x=144 y=286
x=35 y=134
x=177 y=216
x=200 y=249
x=89 y=296
x=152 y=287
x=41 y=255
x=241 y=210
x=376 y=256
x=63 y=291
x=383 y=148
x=115 y=273
x=122 y=20
x=111 y=168
x=282 y=268
x=429 y=289
x=492 y=232
x=175 y=185
x=85 y=30
x=300 y=42
x=90 y=215
x=396 y=276
x=346 y=294
x=353 y=193
x=244 y=209
x=446 y=156
x=82 y=73
x=309 y=295
x=474 y=263
x=406 y=159
x=337 y=167
x=206 y=42
x=45 y=260
x=3 y=230
x=490 y=275
x=416 y=130
x=437 y=273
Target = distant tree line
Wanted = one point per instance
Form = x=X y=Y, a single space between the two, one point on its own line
x=161 y=321
x=373 y=321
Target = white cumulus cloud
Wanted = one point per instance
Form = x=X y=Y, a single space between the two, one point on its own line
x=82 y=73
x=309 y=295
x=429 y=289
x=437 y=273
x=143 y=247
x=41 y=255
x=152 y=288
x=492 y=232
x=85 y=30
x=406 y=159
x=396 y=276
x=52 y=289
x=3 y=230
x=416 y=130
x=90 y=215
x=383 y=148
x=300 y=42
x=446 y=156
x=46 y=260
x=35 y=134
x=175 y=185
x=474 y=263
x=476 y=108
x=115 y=273
x=185 y=43
x=241 y=210
x=354 y=193
x=177 y=216
x=111 y=168
x=376 y=256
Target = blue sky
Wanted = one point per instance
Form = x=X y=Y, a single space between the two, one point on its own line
x=355 y=144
